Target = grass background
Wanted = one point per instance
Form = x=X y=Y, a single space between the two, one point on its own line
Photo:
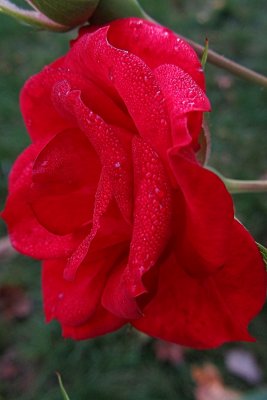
x=123 y=365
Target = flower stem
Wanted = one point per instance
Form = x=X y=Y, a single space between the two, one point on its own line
x=221 y=61
x=229 y=65
x=239 y=186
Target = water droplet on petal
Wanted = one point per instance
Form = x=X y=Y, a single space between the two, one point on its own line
x=111 y=74
x=163 y=122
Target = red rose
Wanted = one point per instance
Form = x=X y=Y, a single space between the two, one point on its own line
x=131 y=228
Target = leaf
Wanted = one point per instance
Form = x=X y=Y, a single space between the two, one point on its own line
x=263 y=251
x=63 y=391
x=205 y=54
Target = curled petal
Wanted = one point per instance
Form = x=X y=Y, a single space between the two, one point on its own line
x=27 y=235
x=103 y=198
x=151 y=230
x=205 y=216
x=184 y=99
x=65 y=176
x=36 y=101
x=204 y=313
x=100 y=323
x=155 y=45
x=113 y=155
x=74 y=302
x=135 y=83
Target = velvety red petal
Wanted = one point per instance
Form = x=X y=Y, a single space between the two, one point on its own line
x=152 y=215
x=103 y=198
x=100 y=323
x=26 y=233
x=36 y=102
x=204 y=313
x=151 y=230
x=74 y=302
x=183 y=97
x=114 y=155
x=69 y=160
x=156 y=45
x=134 y=82
x=65 y=178
x=117 y=297
x=205 y=218
x=36 y=106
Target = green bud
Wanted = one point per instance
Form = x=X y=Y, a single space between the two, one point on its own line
x=69 y=13
x=62 y=15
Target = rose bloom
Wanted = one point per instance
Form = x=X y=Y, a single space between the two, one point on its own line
x=111 y=195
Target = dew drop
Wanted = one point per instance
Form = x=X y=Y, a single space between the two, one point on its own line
x=111 y=75
x=163 y=122
x=29 y=122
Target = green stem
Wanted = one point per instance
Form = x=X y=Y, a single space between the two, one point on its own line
x=221 y=61
x=239 y=186
x=229 y=65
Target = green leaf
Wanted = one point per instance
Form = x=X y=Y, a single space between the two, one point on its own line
x=263 y=251
x=63 y=391
x=205 y=54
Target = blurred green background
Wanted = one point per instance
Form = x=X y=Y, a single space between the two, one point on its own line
x=126 y=365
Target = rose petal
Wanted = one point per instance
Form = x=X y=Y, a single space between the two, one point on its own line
x=65 y=177
x=100 y=323
x=74 y=302
x=134 y=82
x=205 y=217
x=204 y=313
x=26 y=234
x=156 y=45
x=112 y=152
x=151 y=231
x=183 y=97
x=36 y=101
x=103 y=198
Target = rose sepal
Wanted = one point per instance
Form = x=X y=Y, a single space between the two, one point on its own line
x=31 y=17
x=61 y=16
x=68 y=13
x=108 y=10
